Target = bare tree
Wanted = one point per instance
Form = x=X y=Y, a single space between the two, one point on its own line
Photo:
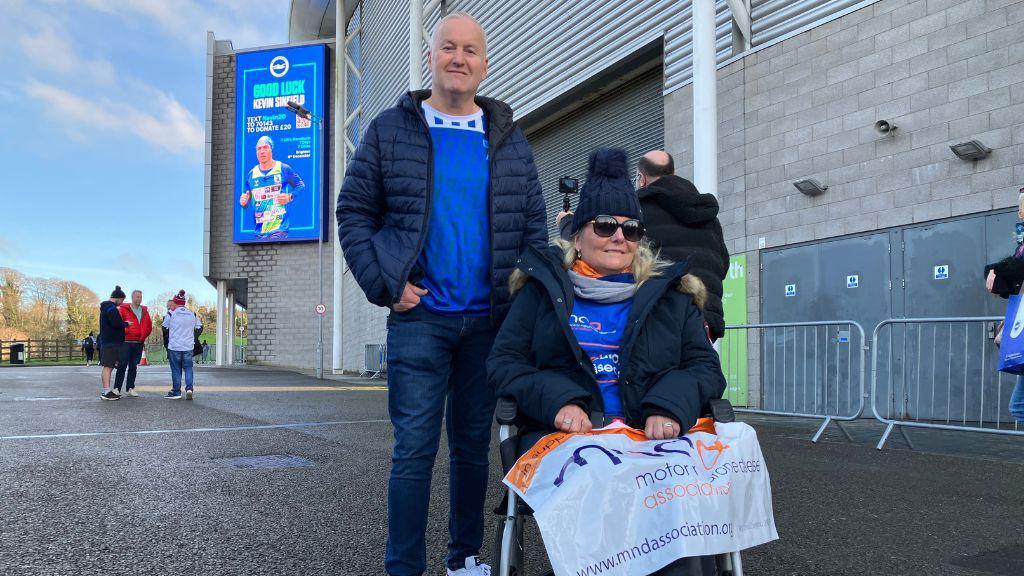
x=45 y=318
x=80 y=305
x=12 y=288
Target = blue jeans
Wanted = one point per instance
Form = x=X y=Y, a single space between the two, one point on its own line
x=1017 y=400
x=436 y=371
x=180 y=361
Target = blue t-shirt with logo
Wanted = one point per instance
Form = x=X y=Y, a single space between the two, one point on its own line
x=599 y=329
x=456 y=257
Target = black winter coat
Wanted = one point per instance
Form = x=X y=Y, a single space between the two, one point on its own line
x=683 y=223
x=384 y=206
x=111 y=324
x=1009 y=276
x=667 y=365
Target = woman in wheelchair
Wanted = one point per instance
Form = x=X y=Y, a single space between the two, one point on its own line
x=602 y=328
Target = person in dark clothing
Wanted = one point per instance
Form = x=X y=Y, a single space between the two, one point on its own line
x=439 y=200
x=1004 y=279
x=683 y=224
x=167 y=333
x=602 y=326
x=111 y=339
x=89 y=348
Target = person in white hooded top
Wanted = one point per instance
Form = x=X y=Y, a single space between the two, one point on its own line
x=183 y=326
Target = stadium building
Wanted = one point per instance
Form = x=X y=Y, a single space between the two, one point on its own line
x=835 y=121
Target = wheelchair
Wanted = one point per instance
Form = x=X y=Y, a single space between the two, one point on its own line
x=508 y=538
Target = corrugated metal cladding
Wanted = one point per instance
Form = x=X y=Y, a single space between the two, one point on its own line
x=630 y=117
x=353 y=85
x=772 y=19
x=385 y=53
x=539 y=50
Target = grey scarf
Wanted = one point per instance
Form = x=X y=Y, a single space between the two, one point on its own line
x=601 y=291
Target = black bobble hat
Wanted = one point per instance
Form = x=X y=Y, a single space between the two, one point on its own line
x=607 y=189
x=117 y=293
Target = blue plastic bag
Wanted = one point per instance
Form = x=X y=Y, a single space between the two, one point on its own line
x=1011 y=350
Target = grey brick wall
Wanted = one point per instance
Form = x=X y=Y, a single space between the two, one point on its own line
x=944 y=71
x=282 y=278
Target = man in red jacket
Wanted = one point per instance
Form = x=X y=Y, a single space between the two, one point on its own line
x=135 y=333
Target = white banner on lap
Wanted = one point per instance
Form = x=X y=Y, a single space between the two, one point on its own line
x=612 y=502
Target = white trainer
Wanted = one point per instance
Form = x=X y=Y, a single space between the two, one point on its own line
x=473 y=568
x=132 y=393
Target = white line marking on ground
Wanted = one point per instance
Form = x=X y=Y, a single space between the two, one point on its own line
x=293 y=425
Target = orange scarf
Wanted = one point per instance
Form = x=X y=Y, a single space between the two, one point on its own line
x=583 y=269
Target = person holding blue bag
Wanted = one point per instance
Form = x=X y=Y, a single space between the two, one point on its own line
x=1004 y=279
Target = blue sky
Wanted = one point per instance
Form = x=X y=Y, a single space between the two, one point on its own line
x=102 y=135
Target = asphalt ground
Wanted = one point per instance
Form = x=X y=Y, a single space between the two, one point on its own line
x=146 y=485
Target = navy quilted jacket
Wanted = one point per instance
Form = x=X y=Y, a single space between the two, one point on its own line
x=384 y=205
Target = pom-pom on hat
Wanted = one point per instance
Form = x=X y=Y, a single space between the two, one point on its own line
x=117 y=293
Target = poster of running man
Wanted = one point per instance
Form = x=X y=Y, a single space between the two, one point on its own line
x=279 y=157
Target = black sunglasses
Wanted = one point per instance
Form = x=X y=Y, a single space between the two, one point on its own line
x=605 y=227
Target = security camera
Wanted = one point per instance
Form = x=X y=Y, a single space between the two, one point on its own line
x=885 y=127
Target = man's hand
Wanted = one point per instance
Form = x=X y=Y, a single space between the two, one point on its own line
x=572 y=418
x=661 y=428
x=562 y=214
x=990 y=280
x=410 y=298
x=283 y=199
x=243 y=200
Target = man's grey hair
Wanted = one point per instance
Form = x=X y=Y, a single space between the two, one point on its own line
x=134 y=292
x=435 y=38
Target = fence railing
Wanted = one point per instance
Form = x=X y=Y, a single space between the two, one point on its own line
x=375 y=360
x=802 y=369
x=939 y=373
x=37 y=350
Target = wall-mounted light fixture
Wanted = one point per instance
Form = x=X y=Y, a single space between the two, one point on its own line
x=885 y=127
x=810 y=187
x=972 y=150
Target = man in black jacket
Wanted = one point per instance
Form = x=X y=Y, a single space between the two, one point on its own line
x=683 y=224
x=111 y=339
x=439 y=200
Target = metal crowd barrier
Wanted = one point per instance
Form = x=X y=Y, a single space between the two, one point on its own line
x=375 y=360
x=802 y=369
x=939 y=373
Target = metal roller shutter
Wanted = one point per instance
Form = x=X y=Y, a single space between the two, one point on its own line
x=629 y=117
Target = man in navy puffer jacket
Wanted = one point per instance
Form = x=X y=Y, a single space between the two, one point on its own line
x=438 y=202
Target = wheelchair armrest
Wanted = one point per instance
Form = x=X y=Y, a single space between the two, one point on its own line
x=721 y=410
x=505 y=411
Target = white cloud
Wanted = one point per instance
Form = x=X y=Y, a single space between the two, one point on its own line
x=50 y=48
x=167 y=124
x=245 y=23
x=7 y=247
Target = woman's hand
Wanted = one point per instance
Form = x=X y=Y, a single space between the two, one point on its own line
x=661 y=428
x=572 y=418
x=990 y=280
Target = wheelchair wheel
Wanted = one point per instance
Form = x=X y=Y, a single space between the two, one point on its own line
x=515 y=556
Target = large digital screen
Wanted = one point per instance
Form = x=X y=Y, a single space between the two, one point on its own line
x=279 y=157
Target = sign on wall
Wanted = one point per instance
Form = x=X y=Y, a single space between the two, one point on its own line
x=733 y=347
x=279 y=158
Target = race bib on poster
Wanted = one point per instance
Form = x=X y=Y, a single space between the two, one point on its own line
x=269 y=213
x=612 y=502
